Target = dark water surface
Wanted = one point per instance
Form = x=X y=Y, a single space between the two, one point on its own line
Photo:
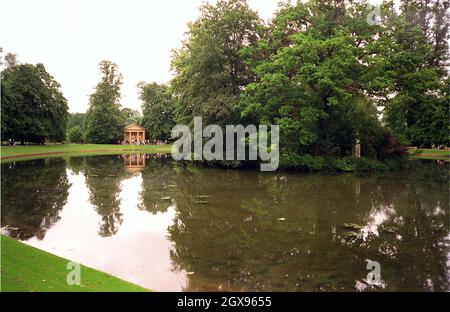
x=166 y=226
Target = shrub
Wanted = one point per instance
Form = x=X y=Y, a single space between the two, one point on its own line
x=75 y=135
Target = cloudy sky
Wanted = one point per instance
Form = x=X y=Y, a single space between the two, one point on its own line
x=71 y=37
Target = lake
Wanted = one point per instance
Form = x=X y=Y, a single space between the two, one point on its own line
x=174 y=227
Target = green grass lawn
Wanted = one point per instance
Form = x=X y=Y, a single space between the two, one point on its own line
x=25 y=268
x=55 y=150
x=429 y=154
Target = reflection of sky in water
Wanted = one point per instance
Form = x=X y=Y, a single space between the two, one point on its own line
x=377 y=216
x=173 y=228
x=140 y=249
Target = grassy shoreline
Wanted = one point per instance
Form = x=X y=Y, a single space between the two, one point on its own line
x=25 y=269
x=59 y=150
x=17 y=153
x=424 y=153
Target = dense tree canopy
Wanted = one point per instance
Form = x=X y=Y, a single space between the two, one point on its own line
x=322 y=72
x=104 y=121
x=33 y=106
x=131 y=116
x=415 y=53
x=158 y=109
x=75 y=135
x=210 y=73
x=76 y=119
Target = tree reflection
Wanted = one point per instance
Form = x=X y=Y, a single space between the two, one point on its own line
x=33 y=194
x=284 y=231
x=103 y=179
x=158 y=186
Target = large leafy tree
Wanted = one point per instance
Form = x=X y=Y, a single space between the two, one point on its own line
x=131 y=116
x=416 y=57
x=76 y=119
x=314 y=67
x=210 y=71
x=75 y=127
x=322 y=72
x=33 y=106
x=104 y=121
x=158 y=109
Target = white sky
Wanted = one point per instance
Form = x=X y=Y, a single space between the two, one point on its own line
x=71 y=37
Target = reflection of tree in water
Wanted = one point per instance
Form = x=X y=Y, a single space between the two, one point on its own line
x=103 y=178
x=76 y=164
x=32 y=195
x=416 y=206
x=236 y=241
x=158 y=186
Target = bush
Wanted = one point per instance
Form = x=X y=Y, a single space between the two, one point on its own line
x=75 y=135
x=291 y=161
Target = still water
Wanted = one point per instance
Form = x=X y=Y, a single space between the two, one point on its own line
x=171 y=227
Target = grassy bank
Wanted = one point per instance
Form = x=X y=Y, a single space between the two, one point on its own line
x=429 y=154
x=25 y=268
x=58 y=150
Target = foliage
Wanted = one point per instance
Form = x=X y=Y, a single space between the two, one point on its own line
x=415 y=54
x=76 y=119
x=104 y=121
x=158 y=110
x=33 y=107
x=313 y=76
x=75 y=135
x=210 y=72
x=292 y=161
x=131 y=116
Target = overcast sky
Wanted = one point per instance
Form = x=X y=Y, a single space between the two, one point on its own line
x=71 y=37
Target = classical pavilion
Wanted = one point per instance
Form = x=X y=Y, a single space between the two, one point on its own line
x=134 y=134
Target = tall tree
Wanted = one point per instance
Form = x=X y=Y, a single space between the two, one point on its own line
x=131 y=116
x=33 y=106
x=416 y=57
x=76 y=119
x=158 y=109
x=210 y=72
x=313 y=70
x=104 y=121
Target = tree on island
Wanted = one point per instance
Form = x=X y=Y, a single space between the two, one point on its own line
x=104 y=121
x=321 y=71
x=210 y=72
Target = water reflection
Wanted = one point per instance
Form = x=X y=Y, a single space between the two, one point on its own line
x=134 y=162
x=170 y=226
x=32 y=199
